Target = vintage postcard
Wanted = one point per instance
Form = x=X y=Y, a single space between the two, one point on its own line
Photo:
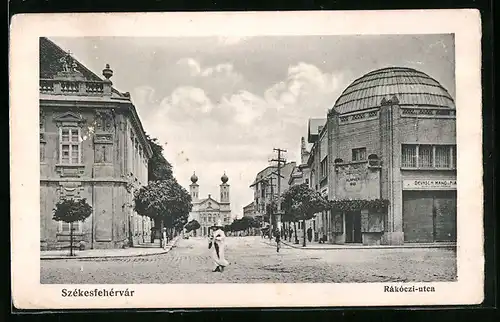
x=271 y=159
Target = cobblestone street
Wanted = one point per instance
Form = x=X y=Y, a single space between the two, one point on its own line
x=254 y=261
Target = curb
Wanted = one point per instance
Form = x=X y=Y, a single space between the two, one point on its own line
x=371 y=247
x=161 y=252
x=362 y=247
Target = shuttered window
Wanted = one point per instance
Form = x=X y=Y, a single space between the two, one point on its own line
x=428 y=156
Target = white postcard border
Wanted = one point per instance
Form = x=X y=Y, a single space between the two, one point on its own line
x=27 y=291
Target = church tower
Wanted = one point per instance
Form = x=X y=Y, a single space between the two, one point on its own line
x=194 y=188
x=224 y=189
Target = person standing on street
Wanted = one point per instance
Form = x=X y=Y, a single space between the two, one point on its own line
x=164 y=237
x=309 y=234
x=217 y=245
x=278 y=240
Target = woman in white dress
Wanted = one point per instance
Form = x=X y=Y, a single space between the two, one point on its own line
x=217 y=247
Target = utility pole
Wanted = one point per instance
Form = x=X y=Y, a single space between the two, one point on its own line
x=271 y=184
x=279 y=162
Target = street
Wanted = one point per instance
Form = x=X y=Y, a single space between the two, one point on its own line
x=254 y=261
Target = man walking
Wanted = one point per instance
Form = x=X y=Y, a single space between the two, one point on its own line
x=164 y=237
x=278 y=240
x=309 y=234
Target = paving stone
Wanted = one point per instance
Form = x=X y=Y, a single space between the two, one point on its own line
x=253 y=261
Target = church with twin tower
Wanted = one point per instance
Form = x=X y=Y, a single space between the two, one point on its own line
x=209 y=211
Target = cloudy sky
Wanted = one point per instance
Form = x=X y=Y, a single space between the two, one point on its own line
x=221 y=104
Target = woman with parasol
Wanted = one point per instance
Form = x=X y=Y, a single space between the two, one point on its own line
x=217 y=246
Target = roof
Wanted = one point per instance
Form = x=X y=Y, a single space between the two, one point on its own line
x=266 y=172
x=410 y=86
x=313 y=128
x=250 y=205
x=50 y=55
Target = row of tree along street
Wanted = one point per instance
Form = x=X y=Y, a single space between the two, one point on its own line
x=301 y=203
x=245 y=224
x=164 y=200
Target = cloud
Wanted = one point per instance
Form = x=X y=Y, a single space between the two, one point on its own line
x=191 y=65
x=143 y=95
x=213 y=124
x=231 y=40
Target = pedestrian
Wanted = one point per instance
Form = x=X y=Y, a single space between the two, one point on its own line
x=164 y=237
x=217 y=245
x=309 y=234
x=278 y=240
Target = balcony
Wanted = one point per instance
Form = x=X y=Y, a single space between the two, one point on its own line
x=75 y=87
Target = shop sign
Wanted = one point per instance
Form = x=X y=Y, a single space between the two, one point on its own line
x=418 y=184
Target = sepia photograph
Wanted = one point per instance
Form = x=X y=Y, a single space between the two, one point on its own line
x=362 y=186
x=252 y=159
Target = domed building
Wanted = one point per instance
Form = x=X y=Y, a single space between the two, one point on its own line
x=209 y=211
x=387 y=154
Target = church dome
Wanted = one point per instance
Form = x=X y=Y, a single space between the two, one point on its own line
x=194 y=178
x=224 y=178
x=410 y=86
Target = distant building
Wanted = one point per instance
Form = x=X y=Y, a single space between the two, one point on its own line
x=249 y=210
x=93 y=146
x=209 y=211
x=262 y=186
x=308 y=169
x=391 y=135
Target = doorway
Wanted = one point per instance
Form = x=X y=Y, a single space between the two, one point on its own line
x=353 y=227
x=429 y=216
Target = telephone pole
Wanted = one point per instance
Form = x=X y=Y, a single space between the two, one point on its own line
x=271 y=183
x=279 y=160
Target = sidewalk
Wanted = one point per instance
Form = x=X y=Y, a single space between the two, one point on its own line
x=318 y=246
x=139 y=250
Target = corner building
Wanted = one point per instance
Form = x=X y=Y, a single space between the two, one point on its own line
x=392 y=135
x=92 y=146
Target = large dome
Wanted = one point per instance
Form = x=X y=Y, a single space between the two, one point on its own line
x=410 y=86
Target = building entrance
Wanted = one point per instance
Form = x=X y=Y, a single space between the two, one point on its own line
x=353 y=227
x=429 y=216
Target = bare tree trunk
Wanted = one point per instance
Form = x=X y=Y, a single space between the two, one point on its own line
x=295 y=229
x=70 y=239
x=303 y=233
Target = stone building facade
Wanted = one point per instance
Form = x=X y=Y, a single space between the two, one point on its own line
x=249 y=210
x=92 y=146
x=390 y=136
x=265 y=186
x=209 y=211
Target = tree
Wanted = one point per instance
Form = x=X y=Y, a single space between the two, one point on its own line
x=302 y=203
x=70 y=211
x=192 y=225
x=158 y=167
x=164 y=201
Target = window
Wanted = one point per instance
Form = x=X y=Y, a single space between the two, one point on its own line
x=428 y=156
x=70 y=149
x=425 y=156
x=358 y=154
x=443 y=157
x=64 y=227
x=409 y=159
x=454 y=156
x=42 y=151
x=324 y=167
